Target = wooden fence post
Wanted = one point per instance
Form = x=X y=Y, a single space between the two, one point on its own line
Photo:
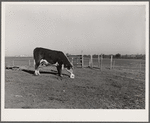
x=111 y=61
x=82 y=59
x=98 y=61
x=91 y=61
x=114 y=64
x=101 y=61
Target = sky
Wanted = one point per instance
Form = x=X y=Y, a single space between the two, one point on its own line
x=87 y=28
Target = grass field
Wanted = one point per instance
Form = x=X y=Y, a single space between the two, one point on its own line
x=91 y=88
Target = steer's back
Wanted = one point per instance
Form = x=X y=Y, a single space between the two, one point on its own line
x=42 y=53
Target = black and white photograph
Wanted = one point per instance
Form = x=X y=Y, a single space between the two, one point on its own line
x=75 y=61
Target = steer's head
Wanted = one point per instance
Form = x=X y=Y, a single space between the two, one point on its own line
x=69 y=67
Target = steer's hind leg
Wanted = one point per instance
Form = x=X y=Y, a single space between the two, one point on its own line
x=37 y=69
x=59 y=69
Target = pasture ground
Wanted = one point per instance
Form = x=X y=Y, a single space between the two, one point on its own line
x=91 y=89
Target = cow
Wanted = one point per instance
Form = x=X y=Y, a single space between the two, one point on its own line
x=57 y=58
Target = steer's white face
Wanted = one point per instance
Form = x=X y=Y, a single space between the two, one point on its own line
x=71 y=73
x=69 y=69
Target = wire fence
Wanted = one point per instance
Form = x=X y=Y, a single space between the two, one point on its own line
x=80 y=61
x=110 y=63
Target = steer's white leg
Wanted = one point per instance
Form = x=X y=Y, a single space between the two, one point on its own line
x=37 y=72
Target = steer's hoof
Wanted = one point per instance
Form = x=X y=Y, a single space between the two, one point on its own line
x=72 y=76
x=60 y=76
x=36 y=74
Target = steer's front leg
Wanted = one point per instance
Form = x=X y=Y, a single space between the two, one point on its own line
x=37 y=69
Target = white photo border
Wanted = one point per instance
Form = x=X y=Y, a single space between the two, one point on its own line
x=102 y=115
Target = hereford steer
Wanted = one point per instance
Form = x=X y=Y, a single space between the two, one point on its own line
x=57 y=58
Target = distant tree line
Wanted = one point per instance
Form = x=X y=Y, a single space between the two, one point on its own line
x=117 y=56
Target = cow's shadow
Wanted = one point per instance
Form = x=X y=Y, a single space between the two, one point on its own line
x=53 y=72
